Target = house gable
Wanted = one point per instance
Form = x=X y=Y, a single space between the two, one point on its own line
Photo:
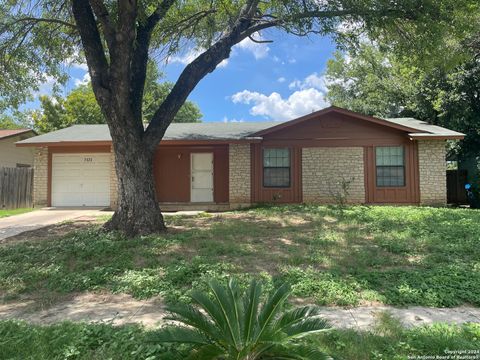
x=332 y=118
x=335 y=126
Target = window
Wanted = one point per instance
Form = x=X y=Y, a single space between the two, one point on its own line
x=276 y=167
x=390 y=162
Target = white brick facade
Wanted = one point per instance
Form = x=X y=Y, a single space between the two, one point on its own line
x=113 y=181
x=40 y=177
x=432 y=166
x=239 y=173
x=324 y=168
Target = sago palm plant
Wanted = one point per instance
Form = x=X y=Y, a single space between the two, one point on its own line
x=232 y=324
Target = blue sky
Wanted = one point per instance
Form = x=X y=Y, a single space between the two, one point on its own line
x=274 y=81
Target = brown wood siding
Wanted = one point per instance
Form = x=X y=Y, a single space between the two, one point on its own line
x=292 y=194
x=71 y=150
x=172 y=160
x=338 y=130
x=408 y=194
x=172 y=172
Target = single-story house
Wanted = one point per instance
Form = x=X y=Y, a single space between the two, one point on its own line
x=229 y=165
x=11 y=155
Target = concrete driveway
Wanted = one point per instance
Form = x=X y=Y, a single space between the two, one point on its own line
x=17 y=224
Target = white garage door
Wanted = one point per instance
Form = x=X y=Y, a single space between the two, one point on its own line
x=80 y=179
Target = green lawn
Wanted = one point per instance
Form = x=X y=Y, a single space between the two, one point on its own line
x=390 y=255
x=5 y=213
x=388 y=340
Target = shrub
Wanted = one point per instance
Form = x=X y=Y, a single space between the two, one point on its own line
x=234 y=324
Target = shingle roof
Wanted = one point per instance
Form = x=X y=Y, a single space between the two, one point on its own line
x=424 y=129
x=218 y=131
x=176 y=131
x=4 y=133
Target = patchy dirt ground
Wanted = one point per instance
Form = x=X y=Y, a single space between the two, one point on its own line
x=249 y=241
x=120 y=309
x=91 y=307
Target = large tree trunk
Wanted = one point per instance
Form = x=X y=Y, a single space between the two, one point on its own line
x=138 y=212
x=118 y=83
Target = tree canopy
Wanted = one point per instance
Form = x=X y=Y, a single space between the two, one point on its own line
x=16 y=119
x=81 y=107
x=39 y=38
x=380 y=83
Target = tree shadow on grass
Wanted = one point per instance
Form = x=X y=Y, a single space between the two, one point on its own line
x=394 y=255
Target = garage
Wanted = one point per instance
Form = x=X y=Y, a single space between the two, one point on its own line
x=81 y=179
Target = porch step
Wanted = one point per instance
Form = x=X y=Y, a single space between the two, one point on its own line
x=194 y=207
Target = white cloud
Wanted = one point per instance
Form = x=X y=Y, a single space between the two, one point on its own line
x=308 y=96
x=82 y=81
x=187 y=57
x=294 y=84
x=76 y=62
x=314 y=80
x=281 y=79
x=227 y=120
x=46 y=87
x=259 y=51
x=81 y=66
x=275 y=107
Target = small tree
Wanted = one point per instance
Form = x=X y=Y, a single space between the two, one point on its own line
x=340 y=191
x=232 y=324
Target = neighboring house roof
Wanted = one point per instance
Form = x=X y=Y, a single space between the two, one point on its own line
x=238 y=131
x=6 y=133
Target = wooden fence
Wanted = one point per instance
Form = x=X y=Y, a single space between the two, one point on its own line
x=16 y=188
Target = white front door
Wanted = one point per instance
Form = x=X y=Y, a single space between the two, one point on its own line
x=202 y=177
x=81 y=179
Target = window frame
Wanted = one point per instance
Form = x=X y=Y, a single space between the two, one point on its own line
x=277 y=167
x=403 y=166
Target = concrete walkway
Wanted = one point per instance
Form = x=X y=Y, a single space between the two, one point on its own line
x=17 y=224
x=119 y=309
x=364 y=317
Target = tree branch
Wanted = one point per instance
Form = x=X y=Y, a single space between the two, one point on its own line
x=94 y=51
x=259 y=41
x=101 y=12
x=247 y=23
x=159 y=13
x=140 y=57
x=194 y=72
x=35 y=20
x=320 y=14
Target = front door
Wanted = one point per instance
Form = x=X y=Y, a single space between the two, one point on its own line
x=202 y=177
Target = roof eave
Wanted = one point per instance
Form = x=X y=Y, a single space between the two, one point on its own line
x=17 y=134
x=337 y=110
x=165 y=142
x=419 y=136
